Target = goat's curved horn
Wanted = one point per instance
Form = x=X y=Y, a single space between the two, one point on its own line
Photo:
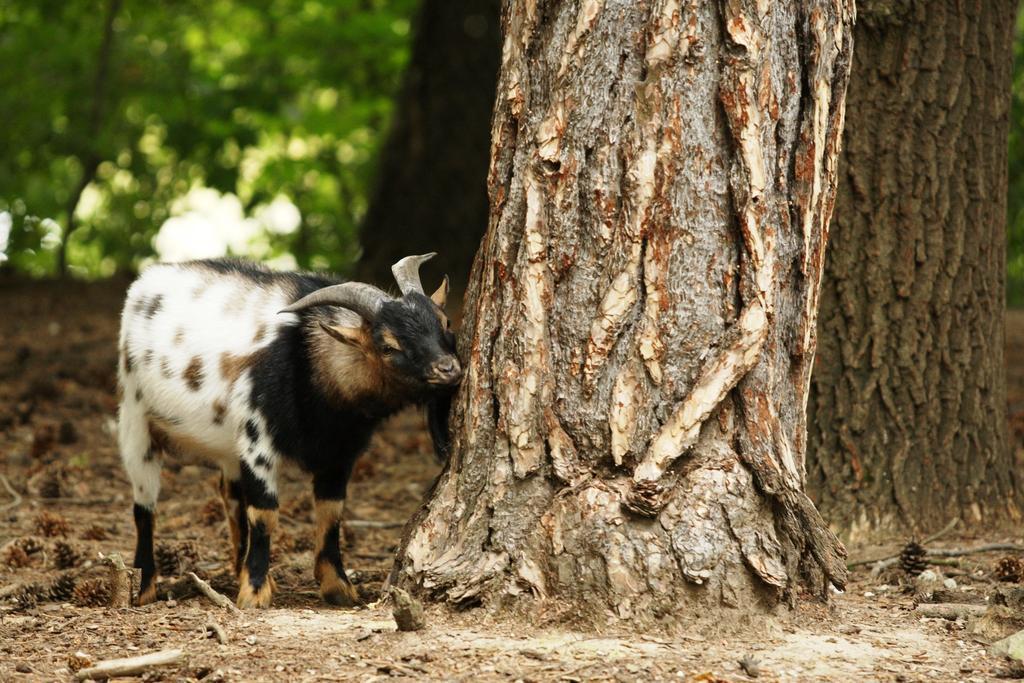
x=407 y=272
x=364 y=299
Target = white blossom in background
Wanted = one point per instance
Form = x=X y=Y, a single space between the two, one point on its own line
x=53 y=234
x=208 y=224
x=5 y=233
x=280 y=216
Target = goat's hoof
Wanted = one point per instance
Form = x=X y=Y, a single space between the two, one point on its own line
x=147 y=596
x=250 y=597
x=341 y=596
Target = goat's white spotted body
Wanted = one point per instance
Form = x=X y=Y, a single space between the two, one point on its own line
x=185 y=336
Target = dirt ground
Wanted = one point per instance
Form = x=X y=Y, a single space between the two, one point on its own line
x=57 y=451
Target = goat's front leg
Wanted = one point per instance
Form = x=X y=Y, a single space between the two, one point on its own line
x=259 y=488
x=329 y=502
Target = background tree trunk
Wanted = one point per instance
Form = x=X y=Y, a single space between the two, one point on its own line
x=430 y=194
x=908 y=405
x=661 y=180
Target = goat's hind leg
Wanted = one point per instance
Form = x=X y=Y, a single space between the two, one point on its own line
x=142 y=466
x=233 y=496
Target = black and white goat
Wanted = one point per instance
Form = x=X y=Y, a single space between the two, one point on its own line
x=245 y=366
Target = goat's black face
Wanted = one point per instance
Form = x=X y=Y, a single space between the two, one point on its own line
x=412 y=336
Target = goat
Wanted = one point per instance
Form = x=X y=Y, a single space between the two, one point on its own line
x=245 y=366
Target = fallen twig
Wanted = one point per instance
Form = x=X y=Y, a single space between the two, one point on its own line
x=987 y=548
x=75 y=501
x=941 y=532
x=215 y=597
x=214 y=628
x=10 y=489
x=950 y=610
x=130 y=666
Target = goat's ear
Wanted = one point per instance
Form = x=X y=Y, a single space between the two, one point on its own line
x=440 y=297
x=354 y=336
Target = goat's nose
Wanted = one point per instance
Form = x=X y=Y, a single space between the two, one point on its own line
x=448 y=369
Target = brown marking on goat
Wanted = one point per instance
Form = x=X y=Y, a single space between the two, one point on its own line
x=249 y=597
x=147 y=357
x=126 y=355
x=391 y=340
x=157 y=434
x=328 y=518
x=147 y=596
x=193 y=374
x=179 y=336
x=261 y=332
x=232 y=365
x=219 y=410
x=165 y=367
x=138 y=393
x=154 y=306
x=349 y=371
x=265 y=516
x=235 y=305
x=333 y=588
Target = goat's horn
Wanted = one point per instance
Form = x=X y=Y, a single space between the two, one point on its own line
x=364 y=299
x=407 y=272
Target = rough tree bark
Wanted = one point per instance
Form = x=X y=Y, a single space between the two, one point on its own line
x=640 y=323
x=908 y=407
x=430 y=193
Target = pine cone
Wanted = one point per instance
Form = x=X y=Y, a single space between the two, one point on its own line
x=51 y=524
x=62 y=588
x=29 y=595
x=65 y=556
x=15 y=556
x=912 y=558
x=175 y=560
x=1010 y=569
x=212 y=512
x=92 y=593
x=78 y=661
x=51 y=485
x=95 y=533
x=30 y=544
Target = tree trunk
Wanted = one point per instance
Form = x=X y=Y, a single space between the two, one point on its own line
x=640 y=323
x=908 y=403
x=430 y=194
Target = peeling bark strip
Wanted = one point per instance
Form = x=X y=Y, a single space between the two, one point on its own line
x=639 y=325
x=908 y=399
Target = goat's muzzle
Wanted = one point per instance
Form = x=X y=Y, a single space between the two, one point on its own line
x=446 y=372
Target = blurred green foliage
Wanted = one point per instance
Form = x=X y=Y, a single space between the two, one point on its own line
x=258 y=98
x=1015 y=208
